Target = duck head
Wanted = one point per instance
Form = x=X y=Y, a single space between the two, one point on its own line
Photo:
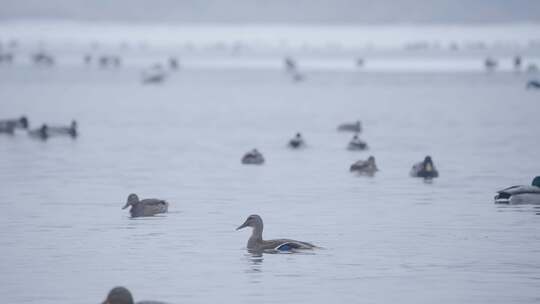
x=119 y=295
x=536 y=181
x=24 y=122
x=131 y=200
x=253 y=221
x=371 y=160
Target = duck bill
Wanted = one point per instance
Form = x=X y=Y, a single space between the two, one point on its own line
x=244 y=225
x=125 y=206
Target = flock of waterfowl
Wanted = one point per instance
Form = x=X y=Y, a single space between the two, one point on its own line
x=161 y=70
x=45 y=131
x=523 y=194
x=425 y=169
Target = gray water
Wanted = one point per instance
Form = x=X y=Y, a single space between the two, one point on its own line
x=390 y=238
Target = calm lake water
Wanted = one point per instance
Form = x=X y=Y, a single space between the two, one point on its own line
x=390 y=238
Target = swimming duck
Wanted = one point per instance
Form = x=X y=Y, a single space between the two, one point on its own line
x=8 y=128
x=41 y=133
x=490 y=64
x=290 y=64
x=425 y=169
x=43 y=59
x=257 y=244
x=533 y=84
x=64 y=130
x=121 y=295
x=354 y=127
x=173 y=63
x=357 y=144
x=517 y=62
x=367 y=167
x=145 y=207
x=253 y=157
x=21 y=123
x=156 y=74
x=522 y=194
x=297 y=141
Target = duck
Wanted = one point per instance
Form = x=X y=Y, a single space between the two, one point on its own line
x=40 y=133
x=366 y=167
x=253 y=157
x=145 y=207
x=425 y=169
x=64 y=130
x=297 y=141
x=490 y=64
x=290 y=64
x=173 y=63
x=18 y=123
x=522 y=194
x=517 y=62
x=357 y=144
x=156 y=74
x=7 y=128
x=353 y=127
x=257 y=244
x=122 y=295
x=533 y=84
x=43 y=59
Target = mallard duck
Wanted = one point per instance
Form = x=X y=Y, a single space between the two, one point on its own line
x=41 y=133
x=121 y=295
x=297 y=141
x=425 y=169
x=367 y=167
x=253 y=157
x=523 y=194
x=20 y=123
x=70 y=130
x=8 y=128
x=257 y=244
x=533 y=84
x=352 y=127
x=357 y=144
x=145 y=207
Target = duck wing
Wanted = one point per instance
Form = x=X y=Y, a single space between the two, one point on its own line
x=359 y=165
x=520 y=189
x=284 y=245
x=155 y=205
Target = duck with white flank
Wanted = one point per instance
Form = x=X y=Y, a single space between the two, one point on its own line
x=424 y=169
x=70 y=130
x=257 y=244
x=523 y=194
x=145 y=207
x=357 y=144
x=297 y=141
x=253 y=157
x=365 y=167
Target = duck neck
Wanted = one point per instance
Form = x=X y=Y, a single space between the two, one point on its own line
x=256 y=236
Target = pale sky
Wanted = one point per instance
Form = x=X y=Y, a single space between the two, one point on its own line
x=276 y=11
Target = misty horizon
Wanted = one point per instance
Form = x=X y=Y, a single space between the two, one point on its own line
x=325 y=12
